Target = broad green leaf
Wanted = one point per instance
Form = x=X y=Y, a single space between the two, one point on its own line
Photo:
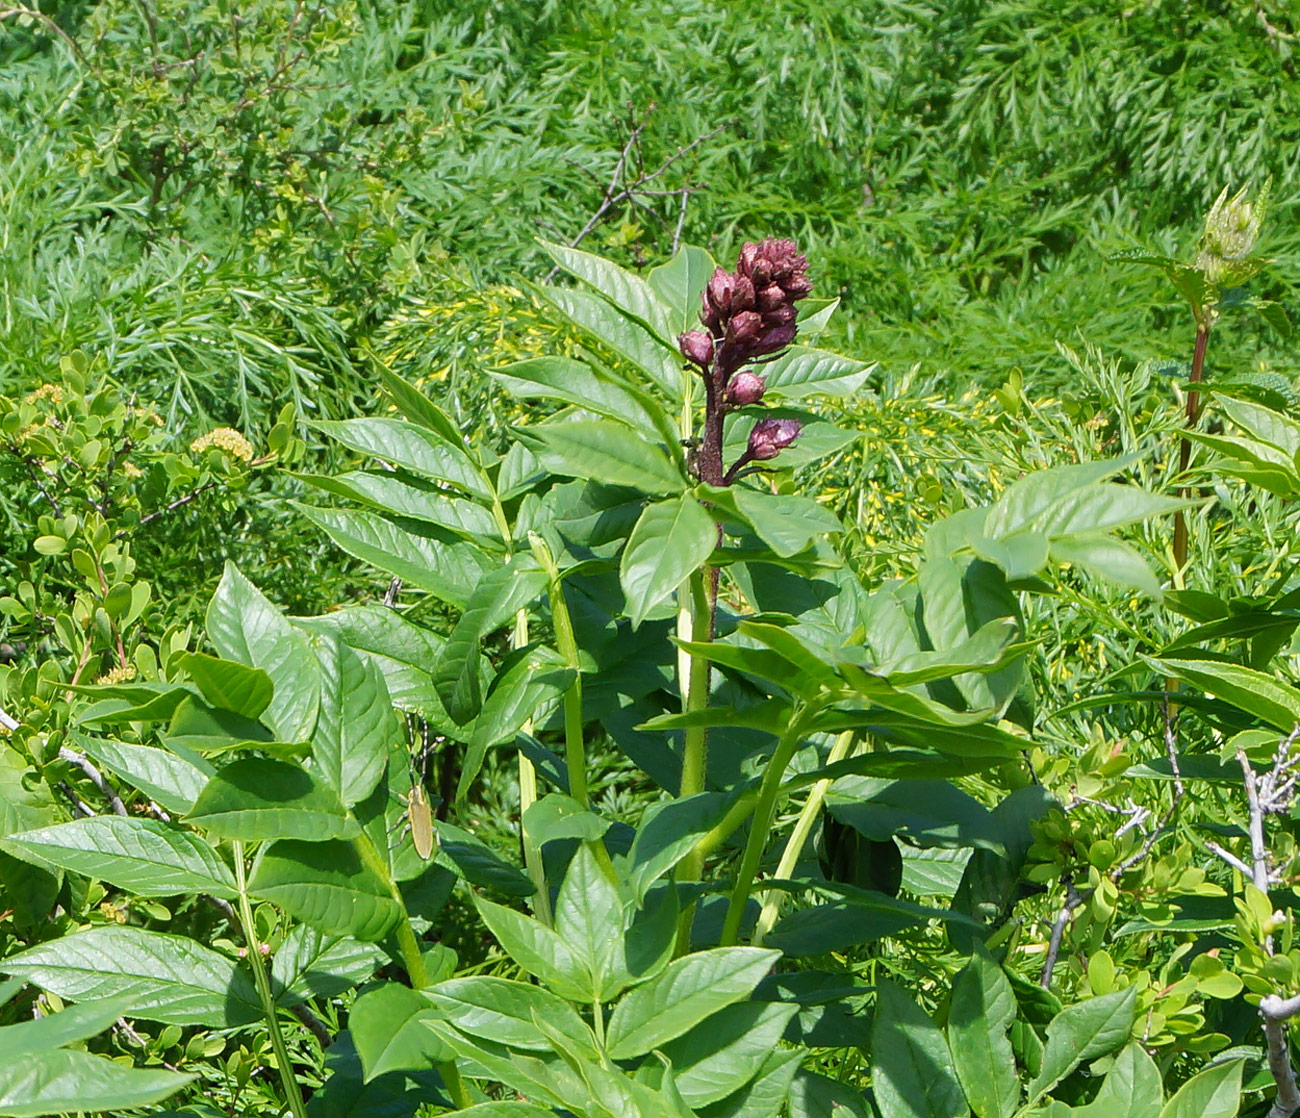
x=1101 y=507
x=670 y=541
x=865 y=916
x=1256 y=693
x=1108 y=559
x=1081 y=1032
x=499 y=595
x=1212 y=1093
x=148 y=857
x=417 y=500
x=1031 y=495
x=311 y=964
x=629 y=292
x=505 y=1110
x=766 y=1094
x=589 y=917
x=58 y=1082
x=244 y=626
x=682 y=996
x=544 y=1080
x=925 y=813
x=478 y=864
x=172 y=781
x=680 y=281
x=726 y=1050
x=503 y=1011
x=604 y=451
x=1264 y=423
x=413 y=448
x=70 y=1024
x=449 y=571
x=387 y=1026
x=536 y=948
x=167 y=978
x=787 y=524
x=1131 y=1089
x=418 y=408
x=556 y=816
x=258 y=799
x=913 y=1074
x=577 y=383
x=669 y=832
x=982 y=1009
x=325 y=885
x=816 y=1096
x=801 y=372
x=226 y=683
x=356 y=728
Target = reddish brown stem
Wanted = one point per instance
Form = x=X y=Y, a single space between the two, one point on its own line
x=1185 y=444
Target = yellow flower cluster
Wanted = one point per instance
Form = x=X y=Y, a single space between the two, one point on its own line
x=227 y=439
x=51 y=392
x=130 y=469
x=122 y=673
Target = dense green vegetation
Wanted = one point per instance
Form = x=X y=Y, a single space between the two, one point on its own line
x=380 y=592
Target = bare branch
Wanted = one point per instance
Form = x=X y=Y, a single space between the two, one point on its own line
x=96 y=777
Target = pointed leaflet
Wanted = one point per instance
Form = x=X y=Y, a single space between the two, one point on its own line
x=538 y=949
x=356 y=727
x=1108 y=559
x=679 y=284
x=801 y=372
x=244 y=626
x=1256 y=693
x=59 y=1082
x=982 y=1010
x=146 y=856
x=311 y=964
x=913 y=1073
x=387 y=1026
x=628 y=292
x=683 y=995
x=577 y=383
x=397 y=496
x=163 y=776
x=70 y=1024
x=589 y=917
x=499 y=595
x=168 y=978
x=500 y=1010
x=727 y=1049
x=670 y=540
x=225 y=683
x=1080 y=1032
x=1131 y=1089
x=257 y=799
x=1213 y=1093
x=413 y=448
x=604 y=451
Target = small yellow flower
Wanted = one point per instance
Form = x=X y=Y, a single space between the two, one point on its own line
x=227 y=439
x=123 y=673
x=51 y=392
x=130 y=469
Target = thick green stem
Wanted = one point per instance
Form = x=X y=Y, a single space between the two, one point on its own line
x=695 y=754
x=764 y=813
x=527 y=797
x=253 y=948
x=798 y=837
x=412 y=959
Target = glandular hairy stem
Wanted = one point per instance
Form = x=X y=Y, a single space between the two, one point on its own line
x=292 y=1093
x=798 y=837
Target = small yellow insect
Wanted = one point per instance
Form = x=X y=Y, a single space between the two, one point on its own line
x=420 y=817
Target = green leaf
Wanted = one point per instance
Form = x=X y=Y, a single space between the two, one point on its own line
x=413 y=448
x=668 y=832
x=726 y=1050
x=683 y=995
x=387 y=1026
x=311 y=964
x=172 y=781
x=864 y=916
x=325 y=885
x=505 y=1110
x=766 y=1094
x=417 y=407
x=447 y=570
x=1259 y=695
x=913 y=1073
x=1110 y=560
x=70 y=1024
x=801 y=372
x=146 y=856
x=670 y=541
x=628 y=292
x=1212 y=1093
x=503 y=1011
x=679 y=282
x=499 y=595
x=925 y=813
x=982 y=1009
x=58 y=1082
x=1131 y=1089
x=579 y=384
x=538 y=949
x=1100 y=508
x=1033 y=494
x=479 y=865
x=417 y=500
x=1083 y=1031
x=258 y=799
x=167 y=978
x=589 y=917
x=1264 y=423
x=244 y=626
x=225 y=683
x=816 y=1096
x=604 y=451
x=786 y=524
x=356 y=727
x=556 y=816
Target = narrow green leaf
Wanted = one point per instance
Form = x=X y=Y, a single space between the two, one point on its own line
x=70 y=1024
x=538 y=949
x=403 y=496
x=629 y=292
x=502 y=1011
x=417 y=449
x=166 y=778
x=577 y=383
x=1256 y=693
x=59 y=1082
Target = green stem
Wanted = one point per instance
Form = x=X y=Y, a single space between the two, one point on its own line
x=598 y=1023
x=1192 y=417
x=764 y=812
x=695 y=755
x=254 y=954
x=409 y=946
x=794 y=846
x=527 y=797
x=566 y=644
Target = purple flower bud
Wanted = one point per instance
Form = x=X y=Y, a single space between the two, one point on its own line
x=744 y=327
x=771 y=297
x=742 y=294
x=778 y=337
x=798 y=286
x=696 y=346
x=746 y=388
x=784 y=315
x=722 y=285
x=748 y=254
x=771 y=436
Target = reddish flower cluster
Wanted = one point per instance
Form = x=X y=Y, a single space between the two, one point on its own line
x=749 y=314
